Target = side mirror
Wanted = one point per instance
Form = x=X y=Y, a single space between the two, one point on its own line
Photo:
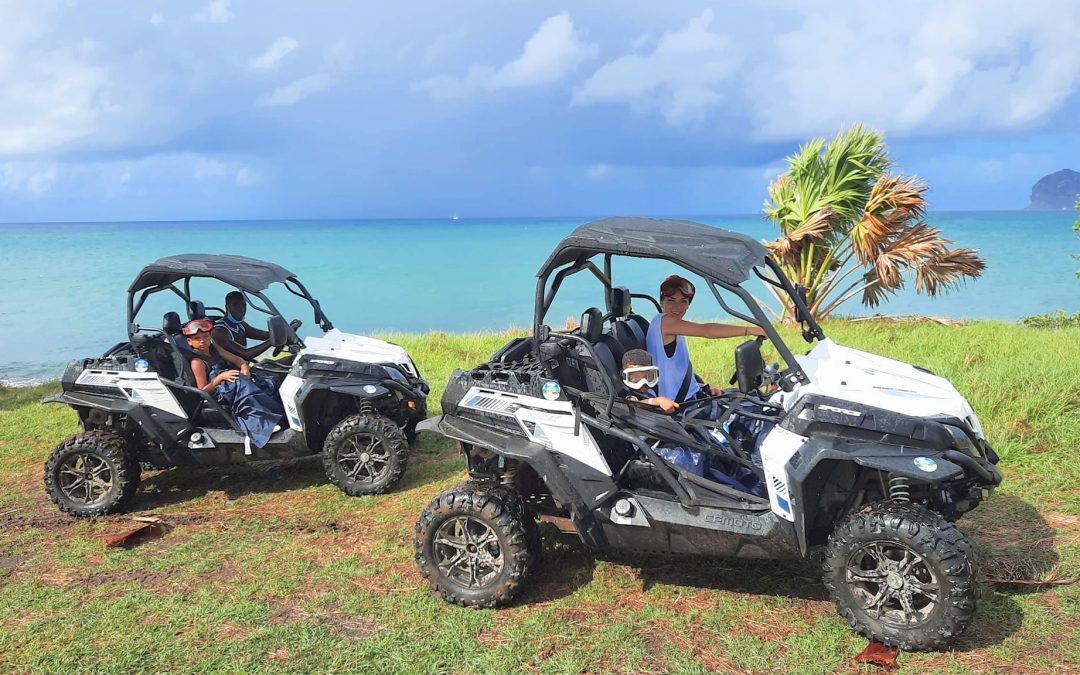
x=749 y=366
x=800 y=291
x=279 y=331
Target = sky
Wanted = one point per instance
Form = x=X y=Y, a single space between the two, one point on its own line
x=237 y=109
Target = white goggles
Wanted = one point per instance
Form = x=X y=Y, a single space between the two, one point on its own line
x=640 y=377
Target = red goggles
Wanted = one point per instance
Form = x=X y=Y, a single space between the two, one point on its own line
x=197 y=326
x=677 y=283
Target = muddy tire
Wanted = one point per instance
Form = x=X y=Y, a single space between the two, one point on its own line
x=902 y=575
x=476 y=544
x=92 y=474
x=365 y=454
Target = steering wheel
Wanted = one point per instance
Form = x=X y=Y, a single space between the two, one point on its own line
x=293 y=338
x=735 y=375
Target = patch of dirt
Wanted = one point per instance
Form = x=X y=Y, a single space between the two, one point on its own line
x=351 y=627
x=66 y=578
x=491 y=637
x=227 y=630
x=340 y=623
x=1018 y=427
x=57 y=521
x=10 y=562
x=227 y=571
x=18 y=617
x=279 y=655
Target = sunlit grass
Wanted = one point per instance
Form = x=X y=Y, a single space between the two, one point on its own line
x=270 y=568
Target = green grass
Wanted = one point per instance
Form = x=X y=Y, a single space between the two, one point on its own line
x=269 y=568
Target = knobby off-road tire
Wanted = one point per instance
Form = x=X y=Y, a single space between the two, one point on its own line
x=365 y=454
x=476 y=544
x=902 y=575
x=92 y=474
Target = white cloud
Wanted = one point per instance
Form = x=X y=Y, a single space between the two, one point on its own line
x=682 y=76
x=958 y=67
x=156 y=19
x=597 y=171
x=32 y=178
x=963 y=66
x=246 y=177
x=216 y=12
x=212 y=169
x=50 y=96
x=550 y=54
x=298 y=90
x=278 y=49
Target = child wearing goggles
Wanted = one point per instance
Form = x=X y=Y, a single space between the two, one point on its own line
x=211 y=358
x=253 y=401
x=641 y=377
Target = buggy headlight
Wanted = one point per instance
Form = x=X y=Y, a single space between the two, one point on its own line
x=961 y=440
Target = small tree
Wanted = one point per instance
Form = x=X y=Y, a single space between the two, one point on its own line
x=842 y=213
x=1076 y=228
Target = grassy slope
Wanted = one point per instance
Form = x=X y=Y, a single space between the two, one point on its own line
x=271 y=568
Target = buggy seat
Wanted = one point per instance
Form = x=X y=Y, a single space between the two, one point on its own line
x=628 y=328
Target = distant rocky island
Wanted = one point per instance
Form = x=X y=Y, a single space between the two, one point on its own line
x=1056 y=192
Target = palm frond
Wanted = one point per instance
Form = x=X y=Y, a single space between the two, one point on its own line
x=946 y=270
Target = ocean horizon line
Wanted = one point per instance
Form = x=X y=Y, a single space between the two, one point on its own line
x=459 y=218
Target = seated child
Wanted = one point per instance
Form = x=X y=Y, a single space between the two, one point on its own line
x=640 y=376
x=253 y=401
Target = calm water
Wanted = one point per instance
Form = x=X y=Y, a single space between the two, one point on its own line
x=62 y=287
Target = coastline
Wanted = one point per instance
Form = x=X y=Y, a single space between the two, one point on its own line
x=424 y=341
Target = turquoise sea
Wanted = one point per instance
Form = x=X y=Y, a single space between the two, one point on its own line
x=62 y=286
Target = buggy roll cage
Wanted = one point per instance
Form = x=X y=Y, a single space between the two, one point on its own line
x=633 y=237
x=267 y=307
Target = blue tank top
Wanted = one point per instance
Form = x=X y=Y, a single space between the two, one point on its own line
x=673 y=370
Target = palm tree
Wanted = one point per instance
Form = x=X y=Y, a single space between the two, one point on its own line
x=849 y=227
x=1076 y=228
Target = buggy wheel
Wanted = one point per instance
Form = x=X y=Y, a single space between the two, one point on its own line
x=365 y=454
x=91 y=474
x=475 y=544
x=902 y=575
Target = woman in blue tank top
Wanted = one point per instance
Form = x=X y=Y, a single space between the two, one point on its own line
x=666 y=340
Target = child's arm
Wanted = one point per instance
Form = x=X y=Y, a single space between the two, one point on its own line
x=237 y=361
x=198 y=368
x=662 y=402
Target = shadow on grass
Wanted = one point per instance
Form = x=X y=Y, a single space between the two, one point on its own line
x=564 y=567
x=1004 y=529
x=187 y=483
x=1012 y=543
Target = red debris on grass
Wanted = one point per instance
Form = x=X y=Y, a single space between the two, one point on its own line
x=151 y=528
x=877 y=654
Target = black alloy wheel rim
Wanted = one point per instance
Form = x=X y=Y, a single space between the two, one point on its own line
x=893 y=583
x=467 y=552
x=365 y=458
x=85 y=478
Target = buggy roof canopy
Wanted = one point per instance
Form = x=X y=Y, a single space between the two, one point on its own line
x=247 y=274
x=712 y=252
